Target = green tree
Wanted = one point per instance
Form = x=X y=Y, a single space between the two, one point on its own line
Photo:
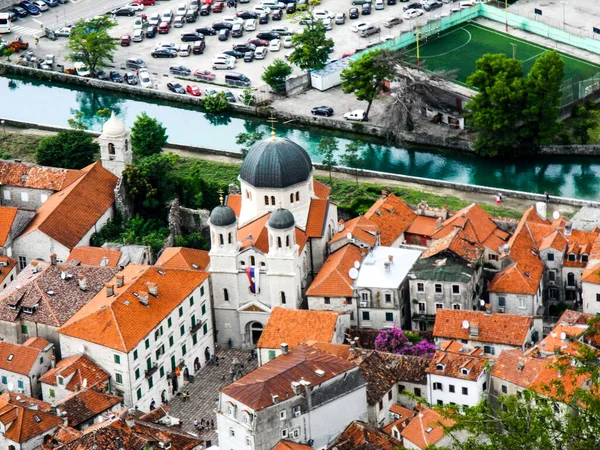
x=248 y=96
x=365 y=76
x=327 y=147
x=8 y=52
x=76 y=122
x=247 y=140
x=542 y=101
x=148 y=136
x=275 y=75
x=495 y=111
x=91 y=43
x=311 y=47
x=585 y=123
x=352 y=157
x=216 y=103
x=69 y=149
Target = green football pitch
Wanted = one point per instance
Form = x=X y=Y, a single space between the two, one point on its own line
x=458 y=48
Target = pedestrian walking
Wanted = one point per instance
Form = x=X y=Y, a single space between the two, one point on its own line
x=152 y=405
x=547 y=197
x=212 y=424
x=196 y=424
x=500 y=195
x=498 y=200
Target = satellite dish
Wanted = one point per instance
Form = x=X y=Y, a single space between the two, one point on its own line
x=563 y=336
x=482 y=302
x=81 y=349
x=356 y=264
x=10 y=385
x=348 y=235
x=353 y=273
x=465 y=324
x=555 y=215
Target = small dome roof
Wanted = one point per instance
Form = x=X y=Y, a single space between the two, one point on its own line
x=222 y=216
x=281 y=219
x=114 y=127
x=276 y=162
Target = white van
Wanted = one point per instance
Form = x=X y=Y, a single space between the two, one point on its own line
x=81 y=69
x=358 y=115
x=5 y=24
x=379 y=4
x=144 y=77
x=222 y=64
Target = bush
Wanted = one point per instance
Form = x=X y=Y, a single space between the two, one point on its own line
x=216 y=103
x=395 y=341
x=275 y=75
x=148 y=136
x=69 y=149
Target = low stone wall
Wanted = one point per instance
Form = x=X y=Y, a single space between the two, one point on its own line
x=571 y=150
x=297 y=85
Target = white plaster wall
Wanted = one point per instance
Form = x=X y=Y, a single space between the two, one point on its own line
x=38 y=245
x=590 y=304
x=532 y=302
x=475 y=389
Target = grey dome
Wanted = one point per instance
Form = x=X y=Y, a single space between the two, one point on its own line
x=281 y=219
x=276 y=163
x=222 y=216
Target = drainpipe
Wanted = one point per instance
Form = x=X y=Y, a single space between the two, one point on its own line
x=312 y=267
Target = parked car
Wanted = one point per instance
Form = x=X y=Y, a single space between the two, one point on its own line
x=326 y=111
x=192 y=37
x=359 y=26
x=222 y=64
x=263 y=18
x=125 y=40
x=206 y=31
x=138 y=36
x=370 y=30
x=198 y=47
x=123 y=12
x=340 y=18
x=167 y=16
x=277 y=15
x=192 y=89
x=208 y=92
x=327 y=23
x=268 y=35
x=130 y=78
x=353 y=13
x=136 y=6
x=81 y=69
x=379 y=4
x=100 y=75
x=358 y=115
x=323 y=14
x=223 y=34
x=205 y=10
x=412 y=13
x=176 y=87
x=151 y=31
x=164 y=28
x=391 y=2
x=30 y=8
x=360 y=2
x=281 y=31
x=145 y=2
x=274 y=45
x=144 y=78
x=235 y=53
x=247 y=15
x=258 y=42
x=249 y=56
x=181 y=9
x=229 y=95
x=115 y=76
x=63 y=32
x=232 y=20
x=154 y=19
x=260 y=53
x=180 y=70
x=19 y=11
x=41 y=5
x=244 y=47
x=237 y=30
x=366 y=9
x=179 y=21
x=430 y=6
x=164 y=53
x=195 y=5
x=222 y=26
x=287 y=42
x=413 y=5
x=191 y=16
x=51 y=3
x=291 y=8
x=392 y=21
x=204 y=75
x=135 y=63
x=218 y=7
x=250 y=24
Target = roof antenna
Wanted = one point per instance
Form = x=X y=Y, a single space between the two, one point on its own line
x=220 y=192
x=272 y=120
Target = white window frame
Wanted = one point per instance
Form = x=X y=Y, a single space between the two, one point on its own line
x=24 y=196
x=522 y=303
x=284 y=433
x=422 y=286
x=282 y=415
x=6 y=195
x=457 y=286
x=435 y=289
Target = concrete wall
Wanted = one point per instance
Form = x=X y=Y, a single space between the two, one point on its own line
x=474 y=389
x=24 y=198
x=298 y=84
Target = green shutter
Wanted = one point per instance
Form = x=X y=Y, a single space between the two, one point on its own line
x=192 y=300
x=205 y=328
x=170 y=322
x=173 y=365
x=162 y=371
x=137 y=373
x=135 y=354
x=139 y=393
x=204 y=309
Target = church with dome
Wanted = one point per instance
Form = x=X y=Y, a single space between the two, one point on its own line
x=269 y=241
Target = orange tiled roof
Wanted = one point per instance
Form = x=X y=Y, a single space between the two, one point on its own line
x=18 y=358
x=22 y=422
x=8 y=264
x=260 y=235
x=85 y=405
x=361 y=228
x=333 y=279
x=36 y=177
x=36 y=342
x=294 y=326
x=321 y=191
x=183 y=258
x=68 y=215
x=392 y=216
x=341 y=350
x=423 y=225
x=554 y=341
x=454 y=362
x=95 y=256
x=459 y=241
x=82 y=367
x=234 y=201
x=570 y=317
x=518 y=367
x=121 y=321
x=425 y=429
x=362 y=435
x=569 y=380
x=480 y=221
x=289 y=445
x=256 y=390
x=7 y=218
x=405 y=416
x=317 y=214
x=506 y=329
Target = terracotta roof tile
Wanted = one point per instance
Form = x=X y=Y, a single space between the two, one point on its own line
x=404 y=415
x=260 y=235
x=505 y=329
x=453 y=363
x=380 y=379
x=288 y=445
x=36 y=177
x=425 y=429
x=69 y=214
x=156 y=414
x=361 y=228
x=321 y=191
x=460 y=242
x=473 y=214
x=423 y=225
x=183 y=258
x=36 y=342
x=22 y=422
x=18 y=358
x=234 y=201
x=7 y=218
x=363 y=436
x=295 y=326
x=82 y=367
x=554 y=342
x=392 y=216
x=6 y=266
x=121 y=321
x=340 y=350
x=315 y=224
x=85 y=405
x=256 y=390
x=411 y=369
x=570 y=317
x=333 y=279
x=518 y=367
x=94 y=256
x=63 y=435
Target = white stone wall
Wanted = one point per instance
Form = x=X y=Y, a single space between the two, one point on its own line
x=513 y=303
x=24 y=198
x=591 y=305
x=412 y=388
x=336 y=304
x=379 y=412
x=474 y=395
x=32 y=444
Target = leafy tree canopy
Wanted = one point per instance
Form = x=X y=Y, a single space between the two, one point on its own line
x=311 y=47
x=91 y=43
x=148 y=136
x=69 y=149
x=275 y=75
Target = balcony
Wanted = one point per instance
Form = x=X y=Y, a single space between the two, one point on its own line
x=196 y=327
x=151 y=371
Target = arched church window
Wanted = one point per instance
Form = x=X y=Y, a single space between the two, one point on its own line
x=229 y=238
x=278 y=242
x=221 y=241
x=282 y=297
x=252 y=261
x=292 y=197
x=225 y=295
x=287 y=241
x=272 y=200
x=297 y=196
x=111 y=151
x=266 y=199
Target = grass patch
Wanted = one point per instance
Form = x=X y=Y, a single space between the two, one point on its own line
x=19 y=146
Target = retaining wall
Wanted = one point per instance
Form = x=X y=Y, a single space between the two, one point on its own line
x=297 y=85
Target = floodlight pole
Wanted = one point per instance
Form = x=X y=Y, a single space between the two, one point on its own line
x=506 y=13
x=564 y=15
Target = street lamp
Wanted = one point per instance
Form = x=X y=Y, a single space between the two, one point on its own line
x=564 y=6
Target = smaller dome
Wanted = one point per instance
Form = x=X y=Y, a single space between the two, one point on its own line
x=114 y=127
x=281 y=219
x=222 y=216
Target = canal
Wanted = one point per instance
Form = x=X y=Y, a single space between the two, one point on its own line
x=53 y=104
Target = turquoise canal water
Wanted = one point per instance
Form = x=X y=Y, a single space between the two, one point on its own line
x=52 y=104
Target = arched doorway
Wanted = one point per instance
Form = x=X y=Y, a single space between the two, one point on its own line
x=255 y=329
x=186 y=374
x=570 y=279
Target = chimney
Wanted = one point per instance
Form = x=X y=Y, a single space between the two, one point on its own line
x=34 y=266
x=152 y=289
x=308 y=391
x=387 y=266
x=53 y=259
x=284 y=348
x=474 y=331
x=120 y=280
x=391 y=259
x=82 y=282
x=438 y=223
x=143 y=297
x=110 y=289
x=540 y=208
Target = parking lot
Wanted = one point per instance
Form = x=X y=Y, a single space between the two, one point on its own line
x=346 y=41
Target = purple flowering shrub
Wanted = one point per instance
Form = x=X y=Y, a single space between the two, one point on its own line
x=393 y=340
